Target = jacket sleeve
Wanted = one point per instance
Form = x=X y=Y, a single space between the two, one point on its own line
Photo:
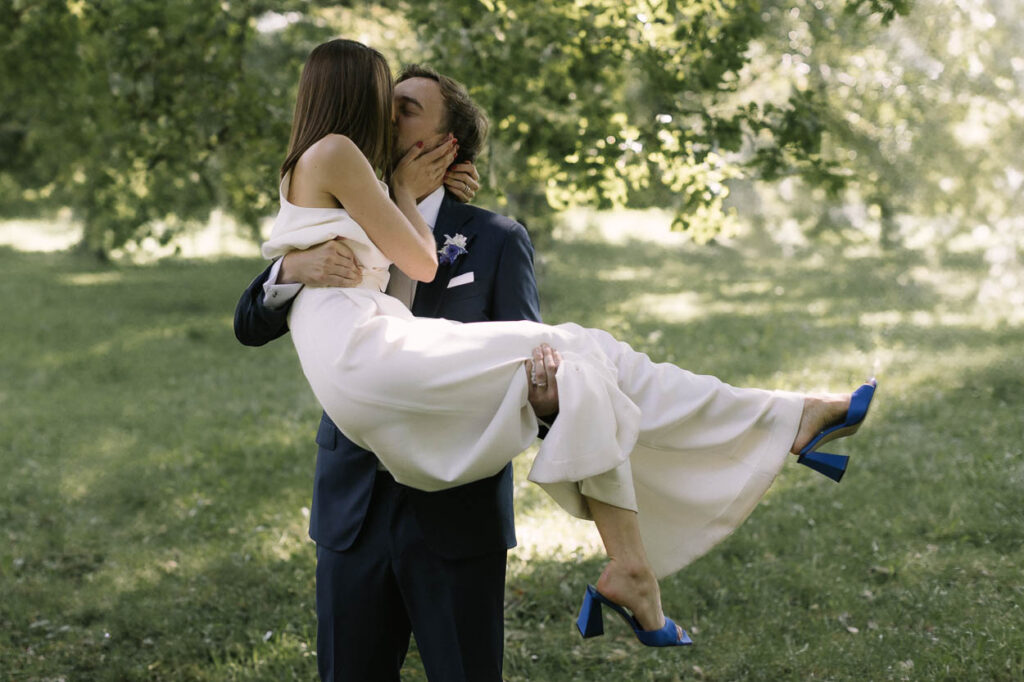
x=255 y=324
x=515 y=293
x=515 y=296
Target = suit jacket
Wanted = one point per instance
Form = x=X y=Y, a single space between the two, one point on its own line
x=459 y=522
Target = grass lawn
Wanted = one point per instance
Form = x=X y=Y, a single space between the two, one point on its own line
x=156 y=476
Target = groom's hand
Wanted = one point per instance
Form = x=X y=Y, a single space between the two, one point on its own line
x=540 y=374
x=331 y=264
x=463 y=181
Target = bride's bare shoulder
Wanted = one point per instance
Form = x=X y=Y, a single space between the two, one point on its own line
x=334 y=165
x=335 y=148
x=331 y=160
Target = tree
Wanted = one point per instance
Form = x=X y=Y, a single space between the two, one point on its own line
x=922 y=115
x=144 y=116
x=629 y=103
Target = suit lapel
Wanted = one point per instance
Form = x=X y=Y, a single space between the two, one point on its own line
x=452 y=218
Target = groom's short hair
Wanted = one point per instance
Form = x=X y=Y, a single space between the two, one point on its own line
x=463 y=118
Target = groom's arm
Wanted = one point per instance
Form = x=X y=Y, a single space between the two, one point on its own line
x=256 y=323
x=262 y=312
x=515 y=295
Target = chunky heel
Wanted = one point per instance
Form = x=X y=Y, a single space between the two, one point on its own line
x=834 y=466
x=590 y=622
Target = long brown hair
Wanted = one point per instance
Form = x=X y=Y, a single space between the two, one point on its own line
x=345 y=88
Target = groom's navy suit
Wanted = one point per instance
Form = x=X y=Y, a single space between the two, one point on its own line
x=391 y=559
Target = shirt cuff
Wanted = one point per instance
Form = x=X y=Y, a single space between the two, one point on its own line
x=276 y=295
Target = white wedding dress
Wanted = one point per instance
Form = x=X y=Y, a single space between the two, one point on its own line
x=443 y=403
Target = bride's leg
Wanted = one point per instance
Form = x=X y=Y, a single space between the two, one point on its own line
x=628 y=579
x=668 y=395
x=681 y=410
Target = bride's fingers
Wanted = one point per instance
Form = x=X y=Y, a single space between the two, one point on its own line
x=440 y=166
x=439 y=153
x=410 y=156
x=535 y=391
x=538 y=375
x=432 y=163
x=551 y=362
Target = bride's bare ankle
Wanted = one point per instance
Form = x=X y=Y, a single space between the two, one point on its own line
x=634 y=569
x=633 y=584
x=631 y=581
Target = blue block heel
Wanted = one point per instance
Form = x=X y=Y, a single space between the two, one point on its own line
x=834 y=466
x=591 y=624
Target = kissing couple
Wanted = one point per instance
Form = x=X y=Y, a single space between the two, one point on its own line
x=427 y=399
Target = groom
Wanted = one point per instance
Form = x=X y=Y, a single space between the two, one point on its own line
x=393 y=560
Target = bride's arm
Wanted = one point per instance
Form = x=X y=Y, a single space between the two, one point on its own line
x=401 y=234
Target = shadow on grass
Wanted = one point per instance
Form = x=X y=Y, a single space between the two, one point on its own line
x=156 y=472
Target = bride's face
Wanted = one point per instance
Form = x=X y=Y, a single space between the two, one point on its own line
x=419 y=115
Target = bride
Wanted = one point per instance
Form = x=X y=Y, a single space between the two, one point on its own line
x=666 y=462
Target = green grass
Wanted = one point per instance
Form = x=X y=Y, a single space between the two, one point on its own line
x=156 y=476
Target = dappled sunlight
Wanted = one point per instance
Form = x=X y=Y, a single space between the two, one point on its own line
x=112 y=346
x=951 y=285
x=624 y=274
x=619 y=227
x=752 y=287
x=555 y=535
x=170 y=492
x=85 y=279
x=104 y=453
x=46 y=235
x=670 y=308
x=543 y=529
x=677 y=308
x=927 y=319
x=220 y=236
x=159 y=507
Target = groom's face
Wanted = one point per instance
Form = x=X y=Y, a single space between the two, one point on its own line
x=419 y=115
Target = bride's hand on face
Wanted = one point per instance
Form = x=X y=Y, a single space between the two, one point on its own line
x=420 y=172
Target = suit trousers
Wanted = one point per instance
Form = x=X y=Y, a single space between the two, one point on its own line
x=390 y=583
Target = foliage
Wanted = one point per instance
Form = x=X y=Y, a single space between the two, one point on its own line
x=144 y=116
x=923 y=114
x=616 y=103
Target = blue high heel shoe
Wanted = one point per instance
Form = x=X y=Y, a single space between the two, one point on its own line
x=591 y=624
x=834 y=466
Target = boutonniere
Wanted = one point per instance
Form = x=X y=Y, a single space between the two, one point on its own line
x=452 y=248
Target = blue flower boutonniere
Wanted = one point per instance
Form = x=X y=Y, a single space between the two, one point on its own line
x=452 y=248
